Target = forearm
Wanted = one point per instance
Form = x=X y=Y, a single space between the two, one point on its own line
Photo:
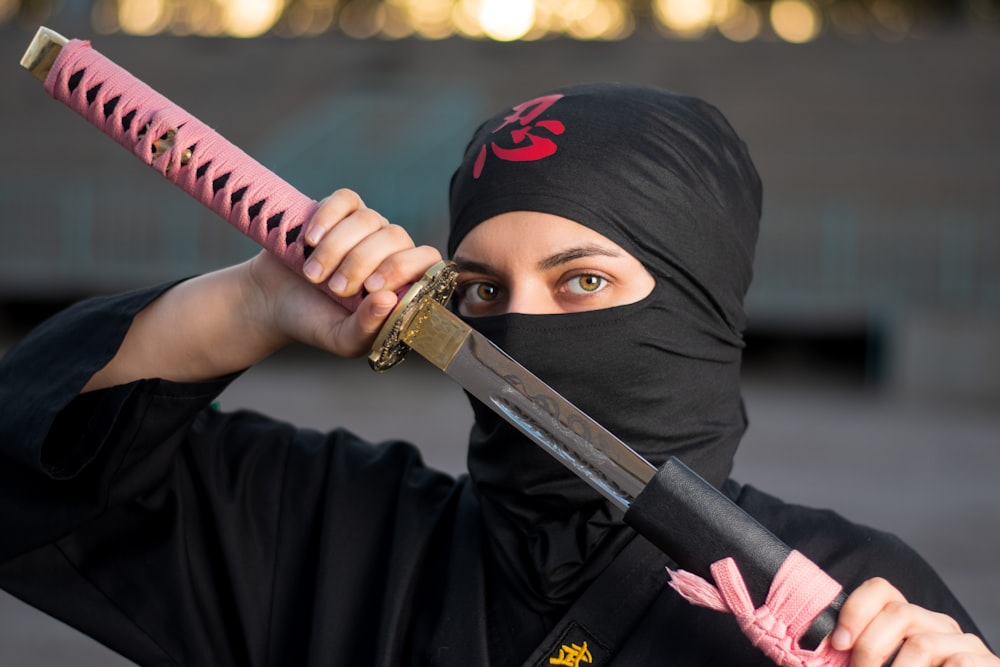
x=200 y=329
x=225 y=321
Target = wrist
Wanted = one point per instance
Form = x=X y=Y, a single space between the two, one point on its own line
x=260 y=294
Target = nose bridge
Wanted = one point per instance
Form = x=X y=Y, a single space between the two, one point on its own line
x=530 y=296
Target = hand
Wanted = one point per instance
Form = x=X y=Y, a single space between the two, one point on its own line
x=876 y=620
x=222 y=322
x=354 y=249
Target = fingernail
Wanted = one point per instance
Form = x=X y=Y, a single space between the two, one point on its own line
x=314 y=236
x=312 y=269
x=338 y=282
x=375 y=282
x=840 y=639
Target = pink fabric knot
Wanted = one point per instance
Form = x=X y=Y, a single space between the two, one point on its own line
x=799 y=592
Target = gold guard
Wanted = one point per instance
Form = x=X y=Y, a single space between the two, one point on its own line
x=437 y=283
x=42 y=52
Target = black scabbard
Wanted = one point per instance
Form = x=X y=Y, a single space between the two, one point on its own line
x=694 y=524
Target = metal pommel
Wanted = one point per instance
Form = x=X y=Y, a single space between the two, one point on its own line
x=42 y=52
x=437 y=284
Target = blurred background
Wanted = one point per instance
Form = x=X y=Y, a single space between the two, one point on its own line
x=873 y=362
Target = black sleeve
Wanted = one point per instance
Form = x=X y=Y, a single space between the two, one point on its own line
x=67 y=461
x=44 y=373
x=177 y=534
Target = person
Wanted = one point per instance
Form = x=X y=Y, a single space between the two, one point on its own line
x=604 y=235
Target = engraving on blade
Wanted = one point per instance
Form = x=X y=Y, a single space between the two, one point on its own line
x=590 y=451
x=551 y=442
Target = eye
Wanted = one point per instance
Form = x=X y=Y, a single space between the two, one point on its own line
x=586 y=283
x=480 y=292
x=476 y=293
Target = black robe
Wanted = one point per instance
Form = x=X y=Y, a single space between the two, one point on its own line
x=177 y=534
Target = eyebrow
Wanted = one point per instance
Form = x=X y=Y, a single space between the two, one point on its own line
x=546 y=263
x=576 y=252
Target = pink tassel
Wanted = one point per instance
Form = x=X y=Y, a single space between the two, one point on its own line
x=799 y=592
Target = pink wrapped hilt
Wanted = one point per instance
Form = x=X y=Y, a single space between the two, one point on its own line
x=187 y=152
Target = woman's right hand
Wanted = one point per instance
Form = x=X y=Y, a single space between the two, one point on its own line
x=222 y=322
x=355 y=250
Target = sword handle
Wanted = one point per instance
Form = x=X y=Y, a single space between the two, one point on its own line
x=192 y=156
x=694 y=524
x=181 y=148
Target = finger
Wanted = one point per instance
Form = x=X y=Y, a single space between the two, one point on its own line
x=861 y=606
x=888 y=621
x=859 y=611
x=326 y=263
x=354 y=335
x=901 y=621
x=400 y=269
x=331 y=210
x=894 y=629
x=384 y=259
x=936 y=649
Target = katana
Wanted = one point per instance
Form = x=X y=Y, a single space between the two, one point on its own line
x=687 y=518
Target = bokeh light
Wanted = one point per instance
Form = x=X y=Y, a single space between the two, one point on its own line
x=7 y=9
x=687 y=18
x=740 y=22
x=506 y=20
x=143 y=17
x=794 y=21
x=250 y=18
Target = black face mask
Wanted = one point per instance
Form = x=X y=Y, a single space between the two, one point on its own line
x=646 y=373
x=666 y=178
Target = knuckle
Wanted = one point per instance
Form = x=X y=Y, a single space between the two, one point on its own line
x=878 y=584
x=962 y=660
x=428 y=251
x=920 y=647
x=371 y=218
x=398 y=233
x=896 y=607
x=955 y=627
x=345 y=194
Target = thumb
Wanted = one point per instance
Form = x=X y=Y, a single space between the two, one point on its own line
x=374 y=310
x=360 y=329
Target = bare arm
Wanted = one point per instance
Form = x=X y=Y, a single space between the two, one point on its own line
x=227 y=320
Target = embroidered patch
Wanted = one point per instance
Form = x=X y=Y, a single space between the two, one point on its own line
x=576 y=647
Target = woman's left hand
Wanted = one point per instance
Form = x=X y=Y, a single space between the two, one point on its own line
x=876 y=621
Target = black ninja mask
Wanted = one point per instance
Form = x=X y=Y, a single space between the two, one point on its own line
x=665 y=177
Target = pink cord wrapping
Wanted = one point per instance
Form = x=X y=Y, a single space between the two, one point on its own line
x=219 y=175
x=799 y=592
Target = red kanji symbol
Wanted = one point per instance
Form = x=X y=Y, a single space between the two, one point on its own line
x=537 y=147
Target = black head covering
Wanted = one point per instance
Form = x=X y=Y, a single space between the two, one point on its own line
x=665 y=177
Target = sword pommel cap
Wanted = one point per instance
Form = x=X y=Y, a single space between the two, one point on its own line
x=42 y=52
